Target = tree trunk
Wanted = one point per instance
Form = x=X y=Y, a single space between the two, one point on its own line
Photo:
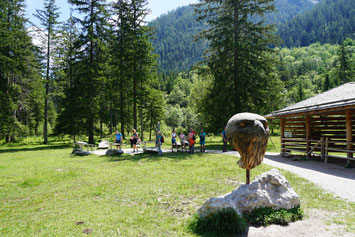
x=45 y=125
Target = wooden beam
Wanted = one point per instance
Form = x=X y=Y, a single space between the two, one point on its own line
x=282 y=134
x=308 y=135
x=330 y=111
x=349 y=134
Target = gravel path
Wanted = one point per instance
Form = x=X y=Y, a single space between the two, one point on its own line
x=335 y=179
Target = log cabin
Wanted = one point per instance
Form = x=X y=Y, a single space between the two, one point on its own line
x=321 y=125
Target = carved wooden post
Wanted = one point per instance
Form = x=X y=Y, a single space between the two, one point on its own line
x=308 y=135
x=282 y=135
x=326 y=150
x=322 y=148
x=349 y=134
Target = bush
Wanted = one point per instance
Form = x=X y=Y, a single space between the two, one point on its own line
x=267 y=216
x=223 y=223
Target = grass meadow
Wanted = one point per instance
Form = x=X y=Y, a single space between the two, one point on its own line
x=44 y=191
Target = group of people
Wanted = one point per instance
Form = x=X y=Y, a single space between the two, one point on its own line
x=134 y=140
x=185 y=141
x=190 y=141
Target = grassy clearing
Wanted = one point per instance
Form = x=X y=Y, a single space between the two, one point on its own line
x=46 y=192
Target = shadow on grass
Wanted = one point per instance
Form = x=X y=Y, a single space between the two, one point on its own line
x=176 y=156
x=36 y=148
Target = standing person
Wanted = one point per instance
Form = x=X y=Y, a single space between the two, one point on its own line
x=159 y=142
x=182 y=141
x=135 y=139
x=118 y=139
x=202 y=136
x=173 y=141
x=224 y=136
x=191 y=139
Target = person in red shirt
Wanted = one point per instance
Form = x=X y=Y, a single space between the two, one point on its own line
x=191 y=139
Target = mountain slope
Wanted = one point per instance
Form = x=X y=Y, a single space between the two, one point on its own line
x=331 y=21
x=176 y=31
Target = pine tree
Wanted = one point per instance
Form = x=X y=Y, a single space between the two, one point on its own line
x=18 y=70
x=48 y=18
x=238 y=57
x=92 y=57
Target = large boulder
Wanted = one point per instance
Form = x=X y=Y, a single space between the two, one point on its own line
x=150 y=150
x=213 y=205
x=79 y=152
x=113 y=152
x=269 y=189
x=103 y=144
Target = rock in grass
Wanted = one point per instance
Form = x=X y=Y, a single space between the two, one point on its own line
x=113 y=152
x=213 y=205
x=79 y=152
x=150 y=150
x=269 y=189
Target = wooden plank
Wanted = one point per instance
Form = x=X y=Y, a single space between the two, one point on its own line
x=308 y=134
x=282 y=132
x=327 y=123
x=329 y=128
x=295 y=124
x=327 y=139
x=294 y=144
x=349 y=134
x=327 y=118
x=341 y=157
x=340 y=150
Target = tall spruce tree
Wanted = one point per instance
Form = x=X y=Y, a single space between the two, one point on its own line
x=18 y=71
x=92 y=46
x=238 y=58
x=48 y=18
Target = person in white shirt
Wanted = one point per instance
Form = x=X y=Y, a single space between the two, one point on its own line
x=173 y=141
x=183 y=141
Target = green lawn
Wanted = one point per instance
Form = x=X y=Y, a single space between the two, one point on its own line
x=46 y=192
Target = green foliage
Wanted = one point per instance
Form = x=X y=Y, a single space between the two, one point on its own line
x=176 y=33
x=266 y=216
x=241 y=64
x=223 y=223
x=328 y=22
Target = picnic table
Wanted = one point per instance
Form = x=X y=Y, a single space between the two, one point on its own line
x=82 y=145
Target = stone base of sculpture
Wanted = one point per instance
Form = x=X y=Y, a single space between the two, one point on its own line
x=79 y=152
x=113 y=152
x=269 y=189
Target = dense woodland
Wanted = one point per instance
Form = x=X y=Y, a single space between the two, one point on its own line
x=110 y=70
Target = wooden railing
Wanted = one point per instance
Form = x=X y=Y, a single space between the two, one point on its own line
x=325 y=146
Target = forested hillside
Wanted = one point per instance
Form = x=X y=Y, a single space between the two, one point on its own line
x=175 y=40
x=331 y=21
x=176 y=33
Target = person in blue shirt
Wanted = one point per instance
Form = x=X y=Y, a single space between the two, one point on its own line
x=224 y=136
x=159 y=143
x=118 y=139
x=202 y=136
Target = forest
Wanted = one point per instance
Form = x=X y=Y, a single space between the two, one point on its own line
x=110 y=69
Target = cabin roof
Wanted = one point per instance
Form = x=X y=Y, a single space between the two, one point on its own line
x=338 y=97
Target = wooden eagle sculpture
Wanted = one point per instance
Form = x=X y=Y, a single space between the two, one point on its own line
x=249 y=134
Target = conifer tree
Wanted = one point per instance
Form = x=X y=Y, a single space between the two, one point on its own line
x=18 y=70
x=92 y=44
x=238 y=58
x=48 y=18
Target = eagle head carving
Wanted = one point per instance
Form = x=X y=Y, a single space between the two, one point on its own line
x=249 y=134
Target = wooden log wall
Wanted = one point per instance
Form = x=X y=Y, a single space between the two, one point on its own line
x=307 y=131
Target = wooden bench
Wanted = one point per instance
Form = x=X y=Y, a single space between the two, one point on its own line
x=82 y=145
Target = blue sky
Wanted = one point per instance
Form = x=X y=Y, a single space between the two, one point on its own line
x=157 y=7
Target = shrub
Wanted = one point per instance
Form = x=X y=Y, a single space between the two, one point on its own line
x=267 y=216
x=223 y=223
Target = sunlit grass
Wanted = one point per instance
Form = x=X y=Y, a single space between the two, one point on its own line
x=46 y=192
